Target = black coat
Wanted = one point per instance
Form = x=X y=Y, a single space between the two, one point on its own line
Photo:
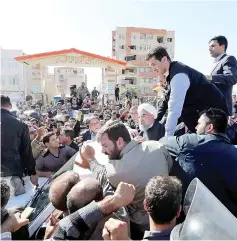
x=201 y=95
x=155 y=133
x=16 y=152
x=231 y=132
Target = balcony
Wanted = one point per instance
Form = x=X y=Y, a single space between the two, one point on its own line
x=128 y=81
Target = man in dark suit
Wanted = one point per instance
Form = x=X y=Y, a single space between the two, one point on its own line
x=224 y=74
x=94 y=127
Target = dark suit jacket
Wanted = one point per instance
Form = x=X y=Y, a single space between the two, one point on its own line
x=16 y=153
x=86 y=135
x=224 y=76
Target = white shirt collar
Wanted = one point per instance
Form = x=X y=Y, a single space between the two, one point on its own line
x=218 y=58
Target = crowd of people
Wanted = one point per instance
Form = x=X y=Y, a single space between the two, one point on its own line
x=154 y=153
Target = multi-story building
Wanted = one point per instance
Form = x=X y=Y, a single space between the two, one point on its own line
x=13 y=81
x=64 y=77
x=132 y=44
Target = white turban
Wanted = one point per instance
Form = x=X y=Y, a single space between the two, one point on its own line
x=149 y=108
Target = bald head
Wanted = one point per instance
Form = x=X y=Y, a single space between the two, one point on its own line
x=83 y=193
x=60 y=188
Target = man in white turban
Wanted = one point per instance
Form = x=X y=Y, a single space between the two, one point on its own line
x=150 y=127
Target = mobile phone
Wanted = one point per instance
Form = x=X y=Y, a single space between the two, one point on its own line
x=27 y=212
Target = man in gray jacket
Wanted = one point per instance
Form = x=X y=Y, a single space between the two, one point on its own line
x=131 y=162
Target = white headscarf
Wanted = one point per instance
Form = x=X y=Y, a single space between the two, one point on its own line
x=149 y=108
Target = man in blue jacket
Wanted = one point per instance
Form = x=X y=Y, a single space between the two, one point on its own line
x=207 y=155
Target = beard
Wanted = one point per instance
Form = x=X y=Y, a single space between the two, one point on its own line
x=115 y=154
x=144 y=127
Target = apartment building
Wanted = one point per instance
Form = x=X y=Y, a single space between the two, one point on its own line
x=12 y=74
x=64 y=77
x=132 y=44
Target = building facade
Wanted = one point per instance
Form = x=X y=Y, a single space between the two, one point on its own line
x=132 y=44
x=13 y=81
x=64 y=77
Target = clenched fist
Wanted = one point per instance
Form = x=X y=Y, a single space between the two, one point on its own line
x=88 y=152
x=115 y=230
x=124 y=194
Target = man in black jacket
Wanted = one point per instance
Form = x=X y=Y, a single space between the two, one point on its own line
x=188 y=91
x=16 y=153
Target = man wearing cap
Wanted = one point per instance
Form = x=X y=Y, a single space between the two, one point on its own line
x=151 y=129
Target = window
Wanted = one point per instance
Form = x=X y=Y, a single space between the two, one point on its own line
x=121 y=46
x=169 y=40
x=160 y=39
x=132 y=47
x=130 y=58
x=133 y=36
x=151 y=80
x=121 y=36
x=144 y=47
x=142 y=36
x=149 y=36
x=148 y=69
x=142 y=58
x=141 y=81
x=15 y=81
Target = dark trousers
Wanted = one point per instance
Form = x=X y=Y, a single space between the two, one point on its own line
x=116 y=97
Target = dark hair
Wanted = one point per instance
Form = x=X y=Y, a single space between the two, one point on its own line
x=163 y=196
x=69 y=132
x=59 y=121
x=5 y=193
x=221 y=40
x=114 y=130
x=158 y=53
x=5 y=101
x=67 y=117
x=118 y=116
x=217 y=118
x=47 y=137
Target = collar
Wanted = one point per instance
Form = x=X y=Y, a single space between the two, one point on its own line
x=5 y=111
x=221 y=136
x=172 y=63
x=218 y=58
x=128 y=147
x=155 y=234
